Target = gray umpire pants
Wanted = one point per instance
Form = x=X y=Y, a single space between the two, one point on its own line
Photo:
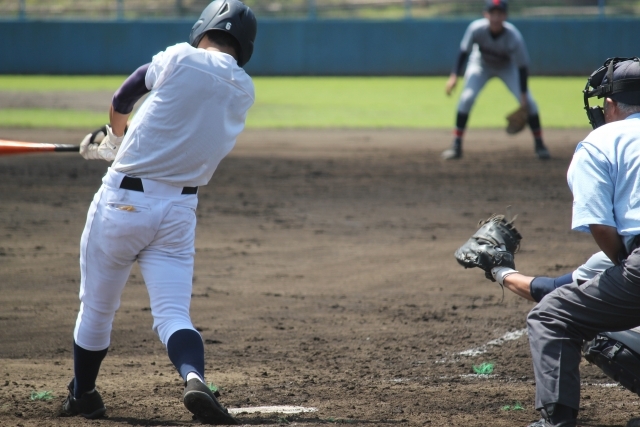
x=573 y=313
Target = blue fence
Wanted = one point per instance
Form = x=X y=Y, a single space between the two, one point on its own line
x=311 y=47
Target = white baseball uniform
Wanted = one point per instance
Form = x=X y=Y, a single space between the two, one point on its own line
x=145 y=209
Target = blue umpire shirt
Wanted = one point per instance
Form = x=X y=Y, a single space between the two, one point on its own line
x=604 y=177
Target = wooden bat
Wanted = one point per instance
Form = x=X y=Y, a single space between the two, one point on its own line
x=20 y=147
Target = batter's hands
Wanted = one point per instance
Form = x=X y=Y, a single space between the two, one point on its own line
x=451 y=84
x=107 y=149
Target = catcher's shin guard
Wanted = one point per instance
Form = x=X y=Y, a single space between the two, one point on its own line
x=616 y=358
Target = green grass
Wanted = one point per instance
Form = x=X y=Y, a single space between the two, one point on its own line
x=41 y=395
x=43 y=118
x=515 y=407
x=484 y=368
x=333 y=102
x=58 y=83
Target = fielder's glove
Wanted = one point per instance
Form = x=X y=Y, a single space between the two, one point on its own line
x=493 y=245
x=106 y=149
x=517 y=120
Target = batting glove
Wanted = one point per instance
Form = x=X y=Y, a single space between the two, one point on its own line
x=105 y=150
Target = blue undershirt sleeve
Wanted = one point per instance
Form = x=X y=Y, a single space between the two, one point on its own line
x=523 y=74
x=462 y=58
x=131 y=91
x=541 y=286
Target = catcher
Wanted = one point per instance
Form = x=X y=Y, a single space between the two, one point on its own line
x=492 y=249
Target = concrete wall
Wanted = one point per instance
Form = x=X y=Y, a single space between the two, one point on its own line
x=301 y=47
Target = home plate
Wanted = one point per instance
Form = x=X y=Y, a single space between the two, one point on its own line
x=272 y=410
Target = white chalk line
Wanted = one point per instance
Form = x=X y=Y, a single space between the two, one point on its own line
x=284 y=409
x=509 y=336
x=488 y=377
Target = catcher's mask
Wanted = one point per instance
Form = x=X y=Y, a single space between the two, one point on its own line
x=618 y=79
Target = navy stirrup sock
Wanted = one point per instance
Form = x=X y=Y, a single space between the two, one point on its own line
x=186 y=352
x=86 y=365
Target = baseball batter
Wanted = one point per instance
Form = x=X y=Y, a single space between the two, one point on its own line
x=495 y=48
x=145 y=209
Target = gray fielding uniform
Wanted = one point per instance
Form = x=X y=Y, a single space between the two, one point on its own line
x=610 y=301
x=500 y=57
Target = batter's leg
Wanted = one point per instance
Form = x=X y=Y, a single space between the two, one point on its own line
x=108 y=247
x=167 y=267
x=569 y=315
x=474 y=80
x=511 y=79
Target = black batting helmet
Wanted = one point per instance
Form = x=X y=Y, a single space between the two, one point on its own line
x=233 y=17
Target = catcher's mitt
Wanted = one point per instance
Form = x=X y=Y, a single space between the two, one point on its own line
x=517 y=120
x=493 y=245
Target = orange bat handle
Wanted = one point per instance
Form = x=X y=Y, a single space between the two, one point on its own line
x=20 y=147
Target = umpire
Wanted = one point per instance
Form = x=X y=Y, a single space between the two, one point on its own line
x=604 y=177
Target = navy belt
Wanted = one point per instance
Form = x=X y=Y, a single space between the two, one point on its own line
x=135 y=184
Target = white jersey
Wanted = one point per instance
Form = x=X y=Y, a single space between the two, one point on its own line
x=190 y=121
x=494 y=51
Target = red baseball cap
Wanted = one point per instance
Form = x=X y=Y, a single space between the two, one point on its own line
x=495 y=4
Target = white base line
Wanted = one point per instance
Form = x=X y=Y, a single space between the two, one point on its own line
x=509 y=336
x=271 y=410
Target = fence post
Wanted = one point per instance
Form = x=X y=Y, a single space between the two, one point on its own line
x=120 y=10
x=311 y=6
x=601 y=8
x=22 y=9
x=407 y=9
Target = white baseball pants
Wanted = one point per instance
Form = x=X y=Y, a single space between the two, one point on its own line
x=155 y=227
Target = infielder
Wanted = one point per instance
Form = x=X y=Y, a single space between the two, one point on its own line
x=603 y=177
x=145 y=209
x=495 y=48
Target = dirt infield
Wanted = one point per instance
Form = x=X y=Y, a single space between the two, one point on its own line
x=324 y=278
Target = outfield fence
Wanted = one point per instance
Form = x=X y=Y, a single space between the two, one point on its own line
x=560 y=46
x=311 y=9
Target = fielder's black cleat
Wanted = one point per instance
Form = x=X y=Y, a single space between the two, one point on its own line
x=542 y=152
x=89 y=405
x=202 y=403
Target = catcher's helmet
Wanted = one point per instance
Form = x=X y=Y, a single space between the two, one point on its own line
x=233 y=17
x=618 y=79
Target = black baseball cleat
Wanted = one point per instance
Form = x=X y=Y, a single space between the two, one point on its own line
x=542 y=152
x=89 y=405
x=452 y=153
x=202 y=403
